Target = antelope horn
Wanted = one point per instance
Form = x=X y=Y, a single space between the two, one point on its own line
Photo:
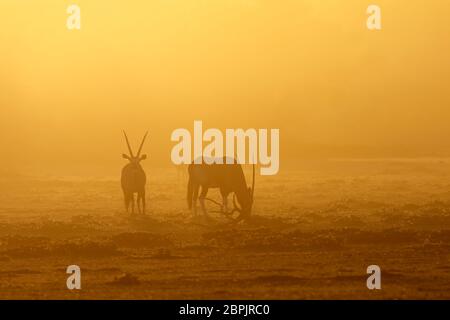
x=128 y=144
x=142 y=143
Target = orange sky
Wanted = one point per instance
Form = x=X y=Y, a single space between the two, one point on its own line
x=310 y=68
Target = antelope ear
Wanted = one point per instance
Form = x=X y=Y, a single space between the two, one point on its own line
x=143 y=157
x=125 y=156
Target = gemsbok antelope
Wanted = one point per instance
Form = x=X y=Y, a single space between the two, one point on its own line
x=228 y=178
x=133 y=178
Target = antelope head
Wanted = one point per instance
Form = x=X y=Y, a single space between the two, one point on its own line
x=245 y=200
x=134 y=159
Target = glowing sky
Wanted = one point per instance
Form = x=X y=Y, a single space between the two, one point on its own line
x=310 y=68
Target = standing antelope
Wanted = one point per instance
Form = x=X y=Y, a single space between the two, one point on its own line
x=228 y=178
x=133 y=178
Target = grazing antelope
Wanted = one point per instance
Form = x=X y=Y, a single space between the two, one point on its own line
x=228 y=178
x=133 y=178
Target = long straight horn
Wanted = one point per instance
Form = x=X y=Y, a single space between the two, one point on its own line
x=128 y=144
x=142 y=143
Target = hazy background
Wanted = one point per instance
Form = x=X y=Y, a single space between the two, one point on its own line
x=310 y=68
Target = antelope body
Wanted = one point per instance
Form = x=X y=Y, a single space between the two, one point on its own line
x=133 y=178
x=228 y=178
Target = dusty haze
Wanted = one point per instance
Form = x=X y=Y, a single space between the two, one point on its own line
x=364 y=166
x=310 y=68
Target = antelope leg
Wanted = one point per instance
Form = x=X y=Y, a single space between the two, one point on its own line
x=202 y=199
x=224 y=203
x=194 y=199
x=143 y=201
x=138 y=202
x=126 y=198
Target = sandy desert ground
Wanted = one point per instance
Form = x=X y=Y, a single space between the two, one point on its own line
x=312 y=235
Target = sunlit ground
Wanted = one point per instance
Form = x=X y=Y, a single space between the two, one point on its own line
x=313 y=233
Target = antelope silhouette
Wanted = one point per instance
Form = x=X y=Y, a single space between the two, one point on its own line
x=228 y=178
x=133 y=178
